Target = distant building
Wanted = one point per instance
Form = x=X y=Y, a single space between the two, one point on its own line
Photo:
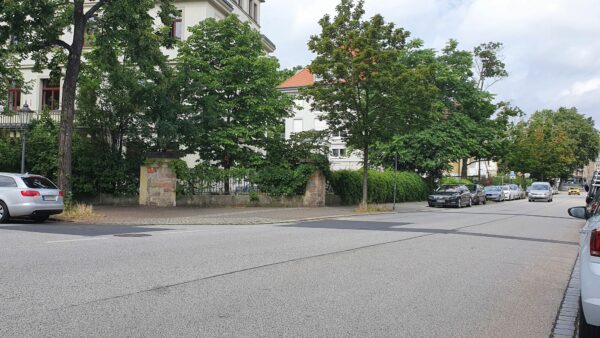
x=305 y=119
x=45 y=94
x=476 y=168
x=586 y=174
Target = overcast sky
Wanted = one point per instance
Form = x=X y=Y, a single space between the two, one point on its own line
x=551 y=47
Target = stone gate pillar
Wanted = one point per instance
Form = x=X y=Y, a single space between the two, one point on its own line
x=158 y=183
x=315 y=193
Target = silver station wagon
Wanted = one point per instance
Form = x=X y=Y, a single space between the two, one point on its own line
x=32 y=196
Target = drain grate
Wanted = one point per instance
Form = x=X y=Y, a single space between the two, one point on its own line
x=132 y=235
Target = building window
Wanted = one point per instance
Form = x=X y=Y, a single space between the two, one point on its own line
x=338 y=152
x=255 y=12
x=177 y=27
x=250 y=8
x=50 y=94
x=91 y=28
x=298 y=126
x=14 y=99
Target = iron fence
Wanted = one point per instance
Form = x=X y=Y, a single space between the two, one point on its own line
x=240 y=185
x=15 y=122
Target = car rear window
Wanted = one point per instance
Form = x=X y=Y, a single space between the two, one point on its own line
x=38 y=182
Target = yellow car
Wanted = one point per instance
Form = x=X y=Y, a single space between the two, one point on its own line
x=574 y=191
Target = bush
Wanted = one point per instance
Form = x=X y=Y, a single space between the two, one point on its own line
x=409 y=186
x=277 y=181
x=454 y=180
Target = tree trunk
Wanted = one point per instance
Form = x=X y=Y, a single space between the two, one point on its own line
x=464 y=168
x=68 y=100
x=365 y=194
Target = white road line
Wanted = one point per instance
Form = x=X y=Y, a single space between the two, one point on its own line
x=77 y=240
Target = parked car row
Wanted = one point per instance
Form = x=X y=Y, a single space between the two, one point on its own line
x=507 y=192
x=589 y=253
x=31 y=196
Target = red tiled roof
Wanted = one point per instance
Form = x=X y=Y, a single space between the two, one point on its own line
x=303 y=78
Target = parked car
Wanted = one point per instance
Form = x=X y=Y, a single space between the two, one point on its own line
x=24 y=195
x=540 y=191
x=451 y=195
x=589 y=253
x=477 y=193
x=494 y=193
x=574 y=191
x=506 y=192
x=516 y=193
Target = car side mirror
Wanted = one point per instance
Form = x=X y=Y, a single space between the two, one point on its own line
x=579 y=212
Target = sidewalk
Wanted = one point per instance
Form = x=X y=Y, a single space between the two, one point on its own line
x=223 y=216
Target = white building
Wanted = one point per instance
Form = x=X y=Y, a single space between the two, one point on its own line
x=44 y=94
x=306 y=119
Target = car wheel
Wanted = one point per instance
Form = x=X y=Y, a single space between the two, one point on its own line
x=4 y=215
x=459 y=203
x=586 y=330
x=484 y=201
x=530 y=200
x=470 y=203
x=40 y=218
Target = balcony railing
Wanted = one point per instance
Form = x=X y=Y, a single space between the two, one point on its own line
x=15 y=121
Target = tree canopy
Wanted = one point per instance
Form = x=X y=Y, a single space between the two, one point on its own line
x=365 y=85
x=552 y=144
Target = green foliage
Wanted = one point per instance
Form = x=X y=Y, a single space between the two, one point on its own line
x=96 y=168
x=368 y=86
x=231 y=105
x=279 y=180
x=454 y=180
x=348 y=185
x=552 y=144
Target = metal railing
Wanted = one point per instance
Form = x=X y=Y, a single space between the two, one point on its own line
x=236 y=186
x=15 y=121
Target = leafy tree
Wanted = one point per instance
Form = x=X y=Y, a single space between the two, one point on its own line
x=365 y=88
x=552 y=144
x=231 y=105
x=38 y=26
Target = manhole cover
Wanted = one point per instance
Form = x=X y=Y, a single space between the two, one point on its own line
x=132 y=235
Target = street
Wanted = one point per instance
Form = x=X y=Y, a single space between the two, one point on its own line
x=498 y=270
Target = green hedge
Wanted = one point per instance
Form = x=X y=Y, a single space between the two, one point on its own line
x=409 y=186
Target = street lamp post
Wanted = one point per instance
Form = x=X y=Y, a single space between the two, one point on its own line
x=395 y=179
x=24 y=119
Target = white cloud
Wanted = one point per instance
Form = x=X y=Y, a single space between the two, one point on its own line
x=552 y=49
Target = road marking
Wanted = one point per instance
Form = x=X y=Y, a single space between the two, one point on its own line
x=77 y=240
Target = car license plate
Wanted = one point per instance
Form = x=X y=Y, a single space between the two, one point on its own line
x=49 y=198
x=440 y=201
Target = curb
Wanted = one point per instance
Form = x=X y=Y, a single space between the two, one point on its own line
x=568 y=314
x=299 y=220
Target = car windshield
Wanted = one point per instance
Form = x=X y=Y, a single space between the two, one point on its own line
x=38 y=182
x=449 y=188
x=471 y=187
x=539 y=187
x=492 y=188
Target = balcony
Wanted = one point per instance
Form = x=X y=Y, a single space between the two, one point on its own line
x=14 y=121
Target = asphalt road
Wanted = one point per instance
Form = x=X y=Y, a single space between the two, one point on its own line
x=498 y=270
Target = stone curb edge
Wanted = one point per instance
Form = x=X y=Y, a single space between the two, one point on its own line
x=567 y=317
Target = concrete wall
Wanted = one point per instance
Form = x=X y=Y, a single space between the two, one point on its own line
x=158 y=185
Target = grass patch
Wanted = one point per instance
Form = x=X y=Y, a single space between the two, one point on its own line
x=79 y=210
x=373 y=208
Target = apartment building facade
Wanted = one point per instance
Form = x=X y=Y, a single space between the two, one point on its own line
x=46 y=94
x=305 y=119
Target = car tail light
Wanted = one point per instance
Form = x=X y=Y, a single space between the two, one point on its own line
x=61 y=193
x=595 y=243
x=29 y=193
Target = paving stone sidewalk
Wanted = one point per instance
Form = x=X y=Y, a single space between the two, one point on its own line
x=217 y=216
